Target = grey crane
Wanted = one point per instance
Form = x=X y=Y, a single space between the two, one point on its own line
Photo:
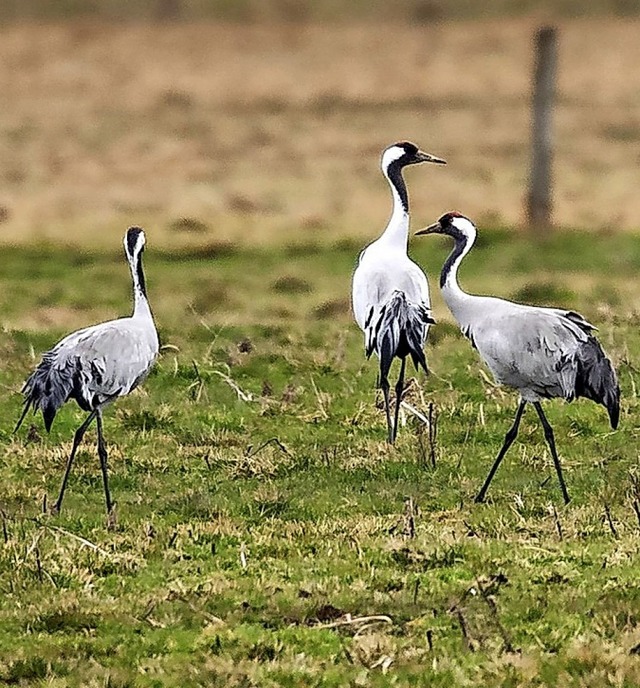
x=540 y=352
x=390 y=293
x=96 y=365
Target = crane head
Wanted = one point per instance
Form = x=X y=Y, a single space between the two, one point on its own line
x=134 y=241
x=453 y=223
x=406 y=153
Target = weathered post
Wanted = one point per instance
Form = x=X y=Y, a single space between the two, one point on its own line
x=539 y=199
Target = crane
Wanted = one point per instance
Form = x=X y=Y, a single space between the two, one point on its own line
x=96 y=365
x=390 y=293
x=543 y=353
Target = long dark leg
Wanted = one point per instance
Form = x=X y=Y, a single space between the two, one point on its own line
x=508 y=441
x=548 y=434
x=102 y=453
x=384 y=385
x=77 y=438
x=399 y=391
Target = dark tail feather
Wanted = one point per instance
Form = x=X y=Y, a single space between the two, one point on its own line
x=25 y=410
x=597 y=380
x=400 y=331
x=49 y=413
x=412 y=339
x=386 y=352
x=44 y=391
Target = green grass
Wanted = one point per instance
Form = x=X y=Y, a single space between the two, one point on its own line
x=250 y=522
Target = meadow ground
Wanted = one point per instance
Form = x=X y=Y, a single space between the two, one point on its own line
x=265 y=133
x=266 y=534
x=259 y=506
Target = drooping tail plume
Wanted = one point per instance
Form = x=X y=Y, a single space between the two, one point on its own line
x=46 y=390
x=596 y=379
x=400 y=330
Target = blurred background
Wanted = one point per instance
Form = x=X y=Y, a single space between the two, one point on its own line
x=263 y=120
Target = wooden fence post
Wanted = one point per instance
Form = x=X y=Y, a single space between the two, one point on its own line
x=539 y=199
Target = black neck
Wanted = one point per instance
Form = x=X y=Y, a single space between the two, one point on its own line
x=458 y=249
x=140 y=274
x=394 y=172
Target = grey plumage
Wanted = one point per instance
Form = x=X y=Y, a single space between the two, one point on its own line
x=400 y=330
x=47 y=391
x=390 y=293
x=92 y=367
x=543 y=353
x=96 y=365
x=596 y=379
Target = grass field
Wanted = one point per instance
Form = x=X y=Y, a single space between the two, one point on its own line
x=272 y=133
x=267 y=535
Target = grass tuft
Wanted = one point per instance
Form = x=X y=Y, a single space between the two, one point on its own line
x=188 y=224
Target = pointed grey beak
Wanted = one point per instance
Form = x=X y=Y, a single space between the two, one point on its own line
x=435 y=228
x=421 y=156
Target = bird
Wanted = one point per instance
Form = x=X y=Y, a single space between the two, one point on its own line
x=96 y=365
x=542 y=353
x=390 y=293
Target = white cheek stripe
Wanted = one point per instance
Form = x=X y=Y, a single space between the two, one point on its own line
x=392 y=153
x=464 y=225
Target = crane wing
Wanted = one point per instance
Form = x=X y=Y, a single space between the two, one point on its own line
x=91 y=366
x=391 y=306
x=533 y=348
x=112 y=358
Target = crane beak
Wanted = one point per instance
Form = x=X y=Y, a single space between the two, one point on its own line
x=421 y=156
x=431 y=229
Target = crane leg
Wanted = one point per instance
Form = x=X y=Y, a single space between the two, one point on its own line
x=384 y=385
x=548 y=434
x=508 y=441
x=102 y=453
x=399 y=391
x=77 y=438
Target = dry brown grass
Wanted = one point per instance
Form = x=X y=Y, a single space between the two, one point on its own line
x=273 y=132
